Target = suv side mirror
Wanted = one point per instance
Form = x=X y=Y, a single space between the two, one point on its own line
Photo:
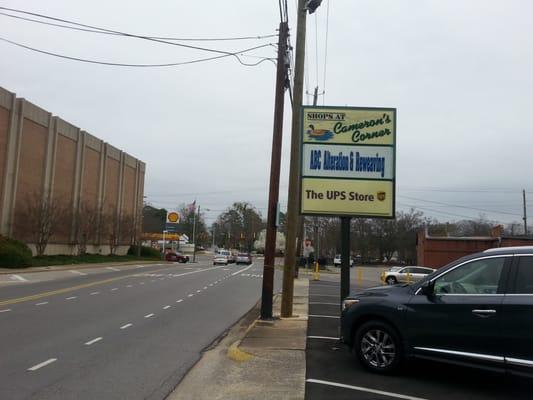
x=427 y=288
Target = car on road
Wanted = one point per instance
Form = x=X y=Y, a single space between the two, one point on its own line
x=243 y=258
x=176 y=256
x=407 y=274
x=338 y=259
x=475 y=311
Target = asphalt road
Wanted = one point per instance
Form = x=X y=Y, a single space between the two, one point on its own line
x=126 y=333
x=333 y=373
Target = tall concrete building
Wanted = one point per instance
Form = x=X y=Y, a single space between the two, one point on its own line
x=55 y=176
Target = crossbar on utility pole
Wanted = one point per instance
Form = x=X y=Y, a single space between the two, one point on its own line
x=275 y=165
x=294 y=184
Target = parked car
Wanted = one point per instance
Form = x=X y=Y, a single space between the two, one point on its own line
x=337 y=261
x=176 y=256
x=408 y=274
x=243 y=258
x=232 y=257
x=220 y=258
x=475 y=311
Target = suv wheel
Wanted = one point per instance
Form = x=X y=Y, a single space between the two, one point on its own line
x=378 y=347
x=391 y=280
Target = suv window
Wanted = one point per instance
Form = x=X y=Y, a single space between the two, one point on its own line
x=407 y=271
x=476 y=277
x=422 y=271
x=524 y=277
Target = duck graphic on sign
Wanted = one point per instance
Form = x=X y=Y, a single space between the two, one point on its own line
x=319 y=134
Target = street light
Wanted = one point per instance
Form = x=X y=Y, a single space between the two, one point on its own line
x=163 y=252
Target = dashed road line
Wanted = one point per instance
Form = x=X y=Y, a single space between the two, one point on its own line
x=71 y=298
x=41 y=303
x=6 y=310
x=19 y=278
x=205 y=287
x=126 y=326
x=77 y=272
x=43 y=364
x=94 y=293
x=112 y=269
x=115 y=288
x=198 y=291
x=93 y=341
x=142 y=283
x=363 y=389
x=166 y=307
x=179 y=301
x=129 y=285
x=242 y=270
x=149 y=315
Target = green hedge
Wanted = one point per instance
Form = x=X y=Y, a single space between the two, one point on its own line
x=145 y=251
x=14 y=254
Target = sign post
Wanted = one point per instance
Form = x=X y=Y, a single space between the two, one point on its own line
x=348 y=168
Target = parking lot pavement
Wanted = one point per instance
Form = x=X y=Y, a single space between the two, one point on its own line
x=334 y=373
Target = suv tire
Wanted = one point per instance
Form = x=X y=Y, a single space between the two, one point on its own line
x=378 y=347
x=391 y=280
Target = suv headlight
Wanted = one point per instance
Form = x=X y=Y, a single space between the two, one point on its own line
x=346 y=304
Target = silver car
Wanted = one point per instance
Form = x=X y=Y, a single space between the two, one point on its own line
x=407 y=274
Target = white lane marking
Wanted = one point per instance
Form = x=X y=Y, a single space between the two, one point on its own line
x=363 y=389
x=6 y=310
x=77 y=272
x=154 y=280
x=93 y=341
x=179 y=301
x=129 y=285
x=149 y=315
x=71 y=298
x=225 y=269
x=190 y=295
x=166 y=307
x=242 y=270
x=198 y=291
x=142 y=283
x=140 y=266
x=328 y=304
x=126 y=326
x=323 y=316
x=41 y=303
x=210 y=284
x=113 y=269
x=205 y=287
x=115 y=288
x=323 y=337
x=43 y=364
x=19 y=278
x=94 y=293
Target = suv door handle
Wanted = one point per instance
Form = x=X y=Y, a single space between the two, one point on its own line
x=484 y=313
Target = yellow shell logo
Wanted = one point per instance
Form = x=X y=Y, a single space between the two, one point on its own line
x=381 y=196
x=173 y=217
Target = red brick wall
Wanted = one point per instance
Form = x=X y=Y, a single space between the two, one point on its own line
x=31 y=168
x=4 y=125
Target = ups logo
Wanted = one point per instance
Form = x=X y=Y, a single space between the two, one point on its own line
x=381 y=196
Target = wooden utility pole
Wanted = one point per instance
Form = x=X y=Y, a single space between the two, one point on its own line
x=525 y=215
x=294 y=184
x=275 y=163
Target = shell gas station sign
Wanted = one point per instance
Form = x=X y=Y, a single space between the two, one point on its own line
x=348 y=161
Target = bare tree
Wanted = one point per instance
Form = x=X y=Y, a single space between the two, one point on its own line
x=86 y=227
x=38 y=219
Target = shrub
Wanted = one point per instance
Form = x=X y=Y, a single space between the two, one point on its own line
x=14 y=254
x=145 y=251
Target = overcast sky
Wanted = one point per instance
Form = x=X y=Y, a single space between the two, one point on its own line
x=459 y=73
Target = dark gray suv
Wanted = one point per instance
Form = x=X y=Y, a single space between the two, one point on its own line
x=476 y=311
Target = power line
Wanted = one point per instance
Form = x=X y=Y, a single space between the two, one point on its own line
x=142 y=65
x=234 y=54
x=258 y=37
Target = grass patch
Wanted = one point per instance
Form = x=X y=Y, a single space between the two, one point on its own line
x=45 y=261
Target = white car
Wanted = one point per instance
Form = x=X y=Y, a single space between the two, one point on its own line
x=337 y=261
x=222 y=257
x=407 y=274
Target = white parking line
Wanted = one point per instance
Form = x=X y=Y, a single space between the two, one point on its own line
x=166 y=307
x=71 y=298
x=6 y=310
x=77 y=272
x=323 y=337
x=43 y=364
x=113 y=269
x=19 y=278
x=324 y=316
x=149 y=315
x=94 y=293
x=126 y=326
x=42 y=303
x=93 y=341
x=363 y=389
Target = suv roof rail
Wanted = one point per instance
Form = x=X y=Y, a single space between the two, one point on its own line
x=510 y=248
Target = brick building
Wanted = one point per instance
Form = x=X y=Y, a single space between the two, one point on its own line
x=437 y=251
x=87 y=189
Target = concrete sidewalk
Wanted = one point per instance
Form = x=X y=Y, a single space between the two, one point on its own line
x=256 y=360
